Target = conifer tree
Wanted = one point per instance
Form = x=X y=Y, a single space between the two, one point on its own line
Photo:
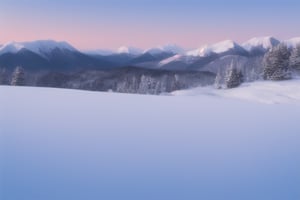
x=234 y=77
x=18 y=77
x=276 y=63
x=295 y=58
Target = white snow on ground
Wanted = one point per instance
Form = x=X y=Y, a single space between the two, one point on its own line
x=67 y=144
x=262 y=92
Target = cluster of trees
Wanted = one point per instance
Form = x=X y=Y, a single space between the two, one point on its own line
x=279 y=63
x=233 y=78
x=295 y=58
x=17 y=77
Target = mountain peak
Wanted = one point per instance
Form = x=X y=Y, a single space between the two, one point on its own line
x=169 y=48
x=293 y=42
x=40 y=47
x=129 y=50
x=218 y=48
x=261 y=43
x=10 y=47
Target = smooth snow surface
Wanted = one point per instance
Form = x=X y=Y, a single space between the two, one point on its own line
x=262 y=92
x=78 y=145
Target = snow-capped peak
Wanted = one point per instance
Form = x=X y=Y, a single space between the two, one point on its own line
x=292 y=43
x=218 y=48
x=262 y=43
x=170 y=48
x=129 y=50
x=11 y=47
x=40 y=47
x=45 y=47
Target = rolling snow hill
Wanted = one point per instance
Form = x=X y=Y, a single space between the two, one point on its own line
x=68 y=144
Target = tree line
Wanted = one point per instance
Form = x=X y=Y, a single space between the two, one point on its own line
x=279 y=63
x=17 y=77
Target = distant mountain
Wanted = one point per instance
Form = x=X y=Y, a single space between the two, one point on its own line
x=129 y=50
x=43 y=48
x=47 y=55
x=260 y=44
x=101 y=52
x=292 y=43
x=195 y=59
x=170 y=49
x=25 y=58
x=227 y=46
x=52 y=55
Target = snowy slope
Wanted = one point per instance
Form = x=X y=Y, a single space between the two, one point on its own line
x=260 y=43
x=67 y=144
x=11 y=47
x=177 y=58
x=217 y=48
x=262 y=92
x=170 y=48
x=292 y=43
x=129 y=50
x=40 y=47
x=102 y=52
x=227 y=46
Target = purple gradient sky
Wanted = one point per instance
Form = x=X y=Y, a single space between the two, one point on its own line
x=92 y=24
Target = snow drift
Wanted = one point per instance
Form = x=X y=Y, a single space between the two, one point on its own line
x=68 y=144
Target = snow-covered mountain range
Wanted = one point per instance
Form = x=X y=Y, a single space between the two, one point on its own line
x=52 y=54
x=45 y=47
x=217 y=48
x=261 y=43
x=41 y=47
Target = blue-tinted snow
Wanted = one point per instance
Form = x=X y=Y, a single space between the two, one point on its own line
x=67 y=145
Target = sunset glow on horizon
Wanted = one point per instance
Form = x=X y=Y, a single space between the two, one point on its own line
x=144 y=23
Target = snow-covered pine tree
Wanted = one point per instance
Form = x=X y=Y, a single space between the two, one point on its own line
x=295 y=58
x=218 y=80
x=276 y=63
x=253 y=75
x=234 y=77
x=18 y=77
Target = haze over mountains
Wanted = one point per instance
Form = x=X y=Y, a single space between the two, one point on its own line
x=52 y=55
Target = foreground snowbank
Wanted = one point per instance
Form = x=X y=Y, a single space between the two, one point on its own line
x=263 y=92
x=67 y=144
